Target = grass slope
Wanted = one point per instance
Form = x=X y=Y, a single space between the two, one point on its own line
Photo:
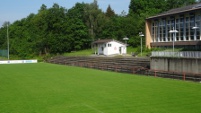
x=49 y=88
x=86 y=52
x=89 y=52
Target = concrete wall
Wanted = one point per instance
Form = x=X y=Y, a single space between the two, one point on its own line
x=183 y=65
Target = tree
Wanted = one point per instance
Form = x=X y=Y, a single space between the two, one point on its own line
x=144 y=8
x=178 y=3
x=92 y=19
x=3 y=35
x=42 y=8
x=110 y=12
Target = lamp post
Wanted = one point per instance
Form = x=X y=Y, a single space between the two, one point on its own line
x=126 y=38
x=174 y=31
x=141 y=35
x=195 y=27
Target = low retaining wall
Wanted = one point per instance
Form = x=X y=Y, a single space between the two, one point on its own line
x=17 y=61
x=179 y=65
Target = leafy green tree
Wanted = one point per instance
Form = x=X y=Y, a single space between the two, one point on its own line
x=144 y=8
x=91 y=19
x=3 y=35
x=178 y=3
x=42 y=8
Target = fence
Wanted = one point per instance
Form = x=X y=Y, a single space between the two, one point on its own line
x=174 y=75
x=183 y=54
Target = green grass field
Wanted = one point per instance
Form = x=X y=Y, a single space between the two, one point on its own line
x=49 y=88
x=89 y=52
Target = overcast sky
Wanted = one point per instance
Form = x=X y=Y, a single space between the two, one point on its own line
x=12 y=10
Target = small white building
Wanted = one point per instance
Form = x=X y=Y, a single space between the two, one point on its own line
x=109 y=47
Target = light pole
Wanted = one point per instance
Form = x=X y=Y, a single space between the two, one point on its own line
x=195 y=32
x=141 y=35
x=126 y=38
x=174 y=31
x=8 y=41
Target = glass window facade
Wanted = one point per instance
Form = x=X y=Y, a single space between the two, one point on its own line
x=187 y=25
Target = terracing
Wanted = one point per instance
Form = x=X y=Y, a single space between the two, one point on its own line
x=131 y=65
x=127 y=65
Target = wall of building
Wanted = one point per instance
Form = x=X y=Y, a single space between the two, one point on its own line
x=148 y=34
x=111 y=48
x=182 y=65
x=115 y=47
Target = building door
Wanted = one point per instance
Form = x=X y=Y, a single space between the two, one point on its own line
x=120 y=52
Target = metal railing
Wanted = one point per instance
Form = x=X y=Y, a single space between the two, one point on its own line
x=182 y=54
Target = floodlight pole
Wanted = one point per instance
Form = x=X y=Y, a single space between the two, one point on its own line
x=8 y=42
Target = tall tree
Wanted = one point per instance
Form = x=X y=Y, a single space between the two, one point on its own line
x=92 y=14
x=110 y=12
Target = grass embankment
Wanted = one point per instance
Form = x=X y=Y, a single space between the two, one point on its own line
x=89 y=52
x=49 y=88
x=86 y=52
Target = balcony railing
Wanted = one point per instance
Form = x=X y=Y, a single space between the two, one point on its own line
x=183 y=54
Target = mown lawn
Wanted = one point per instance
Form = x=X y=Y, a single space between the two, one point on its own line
x=49 y=88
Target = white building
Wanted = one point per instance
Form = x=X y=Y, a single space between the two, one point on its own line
x=109 y=47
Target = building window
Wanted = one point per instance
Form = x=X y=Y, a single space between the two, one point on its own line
x=187 y=30
x=177 y=27
x=155 y=31
x=162 y=30
x=192 y=24
x=181 y=29
x=109 y=45
x=197 y=24
x=168 y=29
x=172 y=26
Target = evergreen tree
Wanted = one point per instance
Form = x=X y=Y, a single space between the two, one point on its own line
x=110 y=12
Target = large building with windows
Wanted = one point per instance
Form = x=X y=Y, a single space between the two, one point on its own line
x=185 y=20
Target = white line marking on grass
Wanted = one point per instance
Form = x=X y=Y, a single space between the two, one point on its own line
x=93 y=108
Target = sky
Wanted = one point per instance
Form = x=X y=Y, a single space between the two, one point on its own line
x=12 y=10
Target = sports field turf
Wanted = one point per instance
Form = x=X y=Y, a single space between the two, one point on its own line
x=49 y=88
